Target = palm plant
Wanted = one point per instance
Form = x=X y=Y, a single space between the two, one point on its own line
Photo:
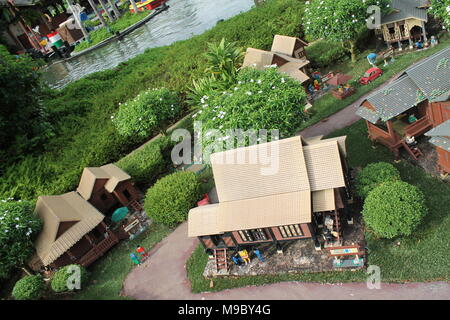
x=224 y=60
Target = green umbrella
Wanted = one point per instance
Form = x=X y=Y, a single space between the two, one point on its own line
x=119 y=214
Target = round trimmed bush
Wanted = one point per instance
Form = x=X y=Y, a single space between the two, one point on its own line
x=373 y=175
x=393 y=209
x=170 y=199
x=60 y=278
x=29 y=288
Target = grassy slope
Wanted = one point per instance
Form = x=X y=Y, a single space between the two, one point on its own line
x=81 y=112
x=421 y=257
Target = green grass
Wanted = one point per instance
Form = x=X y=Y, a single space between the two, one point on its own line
x=98 y=35
x=328 y=105
x=109 y=272
x=421 y=257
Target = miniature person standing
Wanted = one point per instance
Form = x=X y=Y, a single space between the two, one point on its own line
x=141 y=251
x=236 y=260
x=259 y=255
x=135 y=259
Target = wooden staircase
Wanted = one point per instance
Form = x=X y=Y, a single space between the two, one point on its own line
x=337 y=226
x=220 y=256
x=413 y=152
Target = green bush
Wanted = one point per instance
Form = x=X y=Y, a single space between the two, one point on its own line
x=60 y=278
x=150 y=111
x=325 y=53
x=29 y=288
x=144 y=165
x=373 y=175
x=394 y=209
x=261 y=99
x=170 y=199
x=18 y=229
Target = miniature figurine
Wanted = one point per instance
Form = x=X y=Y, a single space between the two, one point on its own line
x=419 y=44
x=142 y=252
x=236 y=260
x=316 y=85
x=372 y=57
x=244 y=255
x=433 y=41
x=259 y=255
x=412 y=118
x=410 y=140
x=135 y=259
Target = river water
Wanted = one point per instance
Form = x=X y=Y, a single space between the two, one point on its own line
x=184 y=19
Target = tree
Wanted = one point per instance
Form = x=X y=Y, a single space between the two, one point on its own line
x=170 y=199
x=394 y=209
x=23 y=118
x=441 y=10
x=18 y=229
x=150 y=111
x=373 y=175
x=339 y=20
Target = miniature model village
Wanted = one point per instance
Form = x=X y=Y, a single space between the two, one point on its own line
x=303 y=218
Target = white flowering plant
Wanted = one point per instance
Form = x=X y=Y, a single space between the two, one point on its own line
x=340 y=20
x=149 y=112
x=18 y=229
x=260 y=99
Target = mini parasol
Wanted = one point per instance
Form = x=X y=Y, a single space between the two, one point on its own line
x=119 y=214
x=339 y=79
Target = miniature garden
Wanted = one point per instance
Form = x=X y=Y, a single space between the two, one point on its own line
x=124 y=115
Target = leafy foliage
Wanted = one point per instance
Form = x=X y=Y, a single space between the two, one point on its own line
x=170 y=199
x=394 y=209
x=260 y=100
x=29 y=288
x=373 y=175
x=60 y=278
x=339 y=20
x=325 y=53
x=18 y=228
x=150 y=111
x=23 y=124
x=441 y=10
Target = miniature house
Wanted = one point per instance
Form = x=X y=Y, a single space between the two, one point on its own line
x=308 y=186
x=287 y=53
x=405 y=22
x=107 y=188
x=73 y=232
x=411 y=105
x=440 y=137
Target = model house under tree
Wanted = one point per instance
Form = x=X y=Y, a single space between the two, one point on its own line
x=406 y=22
x=411 y=105
x=107 y=188
x=309 y=187
x=440 y=137
x=73 y=232
x=288 y=53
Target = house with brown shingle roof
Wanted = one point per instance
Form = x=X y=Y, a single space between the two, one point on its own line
x=107 y=188
x=307 y=185
x=287 y=53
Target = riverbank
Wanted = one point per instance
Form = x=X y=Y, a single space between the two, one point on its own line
x=120 y=28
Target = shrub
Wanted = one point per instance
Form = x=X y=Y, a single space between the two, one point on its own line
x=60 y=278
x=259 y=100
x=393 y=209
x=373 y=175
x=145 y=164
x=18 y=228
x=150 y=111
x=170 y=199
x=324 y=53
x=29 y=288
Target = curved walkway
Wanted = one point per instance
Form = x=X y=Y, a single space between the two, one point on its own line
x=163 y=276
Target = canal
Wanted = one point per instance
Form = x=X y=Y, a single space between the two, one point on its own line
x=184 y=19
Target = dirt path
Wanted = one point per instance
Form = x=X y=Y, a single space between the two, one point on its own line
x=163 y=276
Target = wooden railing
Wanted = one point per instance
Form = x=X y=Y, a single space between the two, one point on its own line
x=418 y=127
x=98 y=250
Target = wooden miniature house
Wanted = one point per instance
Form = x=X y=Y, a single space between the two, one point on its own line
x=287 y=53
x=440 y=137
x=411 y=105
x=309 y=183
x=406 y=22
x=107 y=188
x=73 y=232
